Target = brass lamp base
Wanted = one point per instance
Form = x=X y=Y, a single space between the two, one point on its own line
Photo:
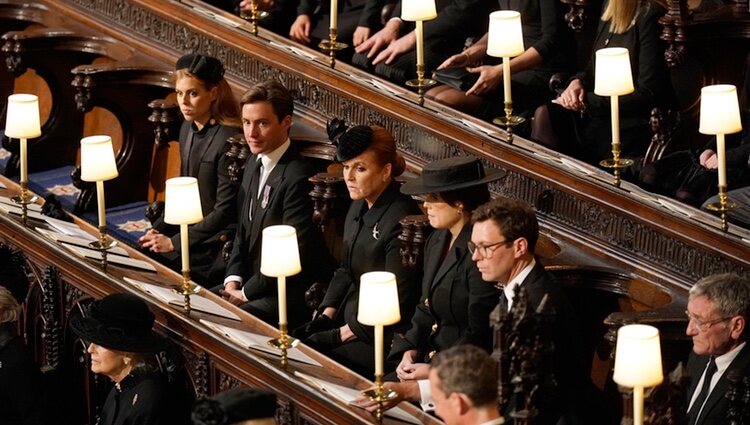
x=284 y=342
x=24 y=199
x=253 y=17
x=617 y=164
x=509 y=121
x=723 y=207
x=187 y=289
x=103 y=245
x=380 y=395
x=331 y=46
x=421 y=84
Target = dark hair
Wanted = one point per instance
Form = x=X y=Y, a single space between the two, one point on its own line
x=468 y=370
x=383 y=145
x=516 y=219
x=273 y=92
x=471 y=197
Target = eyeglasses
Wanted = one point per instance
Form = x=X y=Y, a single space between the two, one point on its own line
x=704 y=326
x=485 y=251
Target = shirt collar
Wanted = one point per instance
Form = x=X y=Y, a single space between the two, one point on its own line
x=517 y=280
x=212 y=122
x=270 y=159
x=723 y=361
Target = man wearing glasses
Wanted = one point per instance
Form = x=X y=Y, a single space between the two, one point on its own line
x=502 y=244
x=718 y=310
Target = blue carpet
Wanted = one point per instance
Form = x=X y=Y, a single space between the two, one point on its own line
x=126 y=222
x=56 y=182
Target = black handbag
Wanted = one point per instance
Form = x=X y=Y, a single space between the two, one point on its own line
x=458 y=78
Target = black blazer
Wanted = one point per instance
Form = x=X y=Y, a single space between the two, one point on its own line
x=454 y=298
x=218 y=194
x=371 y=244
x=715 y=409
x=289 y=203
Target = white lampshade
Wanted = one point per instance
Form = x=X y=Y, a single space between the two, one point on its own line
x=505 y=39
x=612 y=76
x=183 y=201
x=22 y=120
x=418 y=10
x=97 y=159
x=279 y=253
x=638 y=357
x=720 y=110
x=378 y=299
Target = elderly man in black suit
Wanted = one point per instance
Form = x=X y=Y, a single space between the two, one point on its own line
x=718 y=310
x=274 y=190
x=502 y=244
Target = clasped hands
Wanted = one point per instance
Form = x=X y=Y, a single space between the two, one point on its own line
x=156 y=242
x=408 y=372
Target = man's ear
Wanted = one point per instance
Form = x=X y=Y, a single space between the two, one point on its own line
x=463 y=403
x=737 y=327
x=520 y=247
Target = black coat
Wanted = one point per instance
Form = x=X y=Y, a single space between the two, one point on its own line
x=454 y=298
x=143 y=399
x=23 y=399
x=371 y=244
x=288 y=202
x=351 y=14
x=210 y=166
x=566 y=363
x=715 y=409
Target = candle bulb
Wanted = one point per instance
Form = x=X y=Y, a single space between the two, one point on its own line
x=100 y=203
x=420 y=43
x=379 y=350
x=334 y=14
x=24 y=161
x=720 y=115
x=282 y=299
x=185 y=246
x=506 y=79
x=722 y=157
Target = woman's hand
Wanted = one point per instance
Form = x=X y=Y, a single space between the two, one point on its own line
x=489 y=79
x=456 y=61
x=361 y=34
x=396 y=49
x=381 y=39
x=156 y=242
x=300 y=30
x=574 y=96
x=709 y=160
x=232 y=295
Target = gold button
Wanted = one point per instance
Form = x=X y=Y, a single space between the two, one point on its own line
x=431 y=354
x=434 y=327
x=427 y=302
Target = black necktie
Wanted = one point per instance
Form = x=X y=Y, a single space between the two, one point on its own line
x=254 y=183
x=695 y=410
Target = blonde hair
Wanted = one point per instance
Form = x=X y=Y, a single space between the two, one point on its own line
x=9 y=308
x=225 y=109
x=383 y=146
x=621 y=14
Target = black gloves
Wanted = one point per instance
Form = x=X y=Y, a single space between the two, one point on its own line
x=324 y=340
x=320 y=323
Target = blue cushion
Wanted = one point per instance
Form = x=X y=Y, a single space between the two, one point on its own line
x=127 y=222
x=58 y=183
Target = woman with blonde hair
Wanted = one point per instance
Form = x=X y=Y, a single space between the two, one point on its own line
x=212 y=115
x=371 y=230
x=578 y=122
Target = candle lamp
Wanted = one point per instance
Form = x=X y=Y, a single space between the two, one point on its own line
x=638 y=363
x=612 y=77
x=378 y=307
x=720 y=115
x=331 y=46
x=182 y=205
x=505 y=40
x=22 y=122
x=98 y=165
x=253 y=16
x=279 y=258
x=419 y=11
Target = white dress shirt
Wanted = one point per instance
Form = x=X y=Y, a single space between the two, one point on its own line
x=511 y=286
x=722 y=363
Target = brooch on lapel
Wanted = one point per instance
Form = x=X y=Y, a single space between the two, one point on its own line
x=375 y=232
x=135 y=399
x=266 y=196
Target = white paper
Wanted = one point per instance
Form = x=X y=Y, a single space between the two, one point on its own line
x=347 y=395
x=258 y=342
x=82 y=242
x=111 y=259
x=16 y=210
x=197 y=303
x=70 y=229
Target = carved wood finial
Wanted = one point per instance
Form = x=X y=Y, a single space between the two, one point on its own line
x=165 y=117
x=414 y=232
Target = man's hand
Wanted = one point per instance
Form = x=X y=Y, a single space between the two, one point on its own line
x=246 y=5
x=489 y=78
x=300 y=30
x=456 y=61
x=156 y=242
x=709 y=159
x=396 y=49
x=361 y=34
x=405 y=391
x=381 y=39
x=574 y=96
x=232 y=294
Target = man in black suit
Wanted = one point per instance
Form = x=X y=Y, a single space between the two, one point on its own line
x=274 y=190
x=718 y=310
x=502 y=244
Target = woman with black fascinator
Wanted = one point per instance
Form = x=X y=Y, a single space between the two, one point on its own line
x=212 y=115
x=371 y=230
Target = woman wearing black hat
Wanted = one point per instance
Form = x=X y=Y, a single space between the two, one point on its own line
x=212 y=115
x=122 y=345
x=371 y=230
x=456 y=303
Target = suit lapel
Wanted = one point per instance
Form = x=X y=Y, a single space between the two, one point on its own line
x=455 y=253
x=185 y=151
x=720 y=390
x=200 y=149
x=432 y=262
x=264 y=201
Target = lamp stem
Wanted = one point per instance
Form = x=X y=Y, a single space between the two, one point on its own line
x=506 y=80
x=638 y=406
x=281 y=287
x=100 y=203
x=185 y=248
x=24 y=160
x=722 y=159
